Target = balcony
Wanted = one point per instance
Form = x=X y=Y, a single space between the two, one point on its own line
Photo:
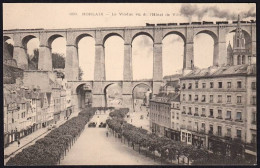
x=203 y=100
x=251 y=146
x=239 y=120
x=210 y=132
x=228 y=137
x=190 y=87
x=211 y=116
x=202 y=131
x=220 y=101
x=237 y=139
x=253 y=122
x=203 y=115
x=183 y=112
x=189 y=113
x=228 y=119
x=196 y=114
x=219 y=117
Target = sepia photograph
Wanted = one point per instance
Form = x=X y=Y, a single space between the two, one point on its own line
x=129 y=84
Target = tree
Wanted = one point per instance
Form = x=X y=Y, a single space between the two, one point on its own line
x=58 y=61
x=80 y=73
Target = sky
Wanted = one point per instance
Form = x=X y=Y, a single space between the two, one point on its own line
x=61 y=15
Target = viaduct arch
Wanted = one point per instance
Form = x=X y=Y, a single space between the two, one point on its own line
x=187 y=32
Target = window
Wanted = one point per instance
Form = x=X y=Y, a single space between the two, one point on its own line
x=210 y=129
x=189 y=110
x=203 y=111
x=238 y=60
x=184 y=109
x=220 y=114
x=196 y=98
x=190 y=86
x=211 y=113
x=219 y=84
x=238 y=99
x=228 y=115
x=243 y=59
x=196 y=84
x=219 y=131
x=172 y=115
x=183 y=86
x=203 y=127
x=211 y=84
x=183 y=97
x=172 y=124
x=211 y=98
x=237 y=42
x=177 y=105
x=253 y=100
x=196 y=109
x=239 y=116
x=203 y=98
x=239 y=84
x=228 y=132
x=177 y=116
x=229 y=85
x=253 y=141
x=189 y=97
x=239 y=134
x=219 y=98
x=196 y=126
x=203 y=85
x=253 y=85
x=228 y=98
x=253 y=117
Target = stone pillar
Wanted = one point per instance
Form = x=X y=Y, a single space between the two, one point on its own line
x=98 y=96
x=72 y=59
x=127 y=95
x=188 y=62
x=128 y=62
x=128 y=72
x=72 y=62
x=19 y=53
x=220 y=51
x=157 y=61
x=45 y=56
x=99 y=70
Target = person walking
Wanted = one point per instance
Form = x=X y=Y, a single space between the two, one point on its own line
x=107 y=133
x=18 y=141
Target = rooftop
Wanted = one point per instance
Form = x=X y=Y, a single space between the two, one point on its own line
x=236 y=70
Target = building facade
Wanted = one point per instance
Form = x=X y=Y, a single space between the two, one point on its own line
x=218 y=107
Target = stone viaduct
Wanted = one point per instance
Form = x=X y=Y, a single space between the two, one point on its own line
x=157 y=33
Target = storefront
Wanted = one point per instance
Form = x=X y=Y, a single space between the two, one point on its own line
x=198 y=140
x=175 y=135
x=186 y=136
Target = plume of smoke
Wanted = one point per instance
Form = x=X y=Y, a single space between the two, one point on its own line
x=189 y=10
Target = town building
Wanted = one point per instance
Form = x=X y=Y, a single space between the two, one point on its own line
x=217 y=105
x=163 y=109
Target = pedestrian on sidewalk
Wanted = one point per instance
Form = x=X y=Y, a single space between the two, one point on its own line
x=107 y=133
x=18 y=141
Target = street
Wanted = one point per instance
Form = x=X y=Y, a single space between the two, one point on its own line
x=94 y=148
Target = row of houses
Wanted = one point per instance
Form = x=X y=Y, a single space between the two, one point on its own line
x=29 y=107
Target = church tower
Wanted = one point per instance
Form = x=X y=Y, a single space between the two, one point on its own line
x=240 y=53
